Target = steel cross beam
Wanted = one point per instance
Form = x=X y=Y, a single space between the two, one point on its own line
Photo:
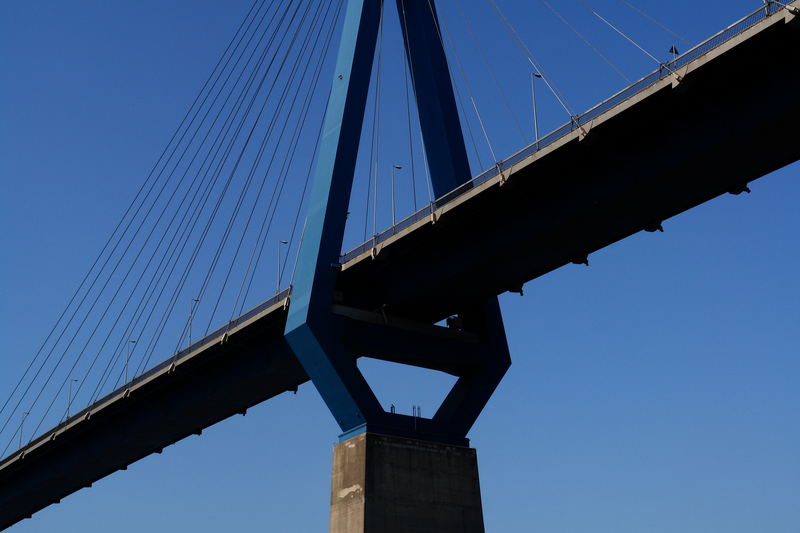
x=324 y=331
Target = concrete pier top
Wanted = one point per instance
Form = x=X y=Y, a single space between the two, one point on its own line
x=399 y=485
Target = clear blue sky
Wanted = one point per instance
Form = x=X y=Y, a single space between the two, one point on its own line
x=655 y=391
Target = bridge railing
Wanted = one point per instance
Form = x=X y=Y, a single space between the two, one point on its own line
x=665 y=70
x=207 y=339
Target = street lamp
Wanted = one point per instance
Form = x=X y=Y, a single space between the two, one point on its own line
x=394 y=167
x=535 y=75
x=128 y=354
x=278 y=287
x=69 y=396
x=24 y=416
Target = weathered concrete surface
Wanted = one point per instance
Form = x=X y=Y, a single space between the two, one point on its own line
x=385 y=484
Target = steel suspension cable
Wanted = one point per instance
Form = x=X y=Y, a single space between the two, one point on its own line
x=620 y=32
x=204 y=233
x=102 y=268
x=180 y=235
x=588 y=43
x=374 y=134
x=155 y=280
x=220 y=136
x=367 y=197
x=272 y=208
x=224 y=238
x=427 y=175
x=377 y=122
x=439 y=27
x=465 y=120
x=114 y=296
x=406 y=69
x=156 y=249
x=216 y=174
x=187 y=269
x=312 y=160
x=192 y=112
x=184 y=175
x=489 y=69
x=655 y=21
x=188 y=229
x=159 y=272
x=459 y=105
x=317 y=32
x=526 y=51
x=283 y=174
x=410 y=139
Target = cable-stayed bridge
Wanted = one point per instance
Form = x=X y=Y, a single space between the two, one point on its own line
x=536 y=211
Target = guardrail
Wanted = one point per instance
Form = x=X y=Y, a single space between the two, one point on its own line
x=206 y=340
x=666 y=69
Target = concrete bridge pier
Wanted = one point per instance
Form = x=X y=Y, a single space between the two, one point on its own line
x=384 y=484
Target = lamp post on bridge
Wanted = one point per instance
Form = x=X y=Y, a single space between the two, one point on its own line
x=131 y=342
x=24 y=416
x=278 y=286
x=535 y=75
x=394 y=167
x=69 y=396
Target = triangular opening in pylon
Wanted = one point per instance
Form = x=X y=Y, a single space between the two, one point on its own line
x=409 y=389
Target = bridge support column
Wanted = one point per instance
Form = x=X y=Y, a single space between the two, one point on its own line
x=384 y=484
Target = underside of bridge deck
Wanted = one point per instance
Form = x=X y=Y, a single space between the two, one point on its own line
x=220 y=381
x=728 y=122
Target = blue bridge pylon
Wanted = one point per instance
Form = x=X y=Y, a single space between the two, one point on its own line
x=325 y=328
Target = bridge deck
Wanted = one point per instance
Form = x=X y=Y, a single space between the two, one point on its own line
x=223 y=374
x=652 y=151
x=702 y=130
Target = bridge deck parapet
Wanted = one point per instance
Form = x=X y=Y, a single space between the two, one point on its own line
x=579 y=125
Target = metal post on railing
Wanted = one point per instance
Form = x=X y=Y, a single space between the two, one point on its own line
x=24 y=416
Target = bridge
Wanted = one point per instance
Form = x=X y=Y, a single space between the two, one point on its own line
x=583 y=187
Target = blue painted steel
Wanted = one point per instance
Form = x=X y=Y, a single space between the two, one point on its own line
x=311 y=329
x=333 y=372
x=465 y=401
x=449 y=169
